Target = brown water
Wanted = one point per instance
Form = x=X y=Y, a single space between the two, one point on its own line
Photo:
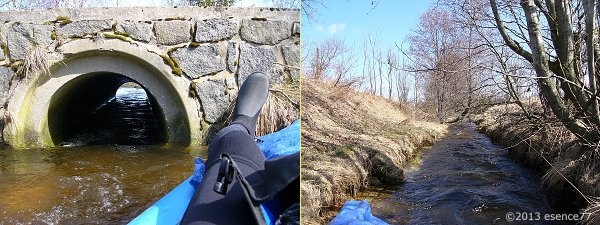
x=463 y=179
x=93 y=184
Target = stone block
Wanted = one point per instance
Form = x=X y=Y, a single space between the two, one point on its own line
x=212 y=30
x=84 y=27
x=172 y=32
x=3 y=29
x=232 y=56
x=22 y=37
x=140 y=31
x=265 y=32
x=257 y=59
x=5 y=74
x=2 y=41
x=199 y=61
x=291 y=55
x=214 y=98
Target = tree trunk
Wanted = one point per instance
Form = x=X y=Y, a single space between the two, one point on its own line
x=546 y=85
x=590 y=25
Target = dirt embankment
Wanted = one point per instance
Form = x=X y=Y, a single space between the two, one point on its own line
x=351 y=140
x=546 y=145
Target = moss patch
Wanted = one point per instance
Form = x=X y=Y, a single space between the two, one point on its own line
x=343 y=152
x=175 y=18
x=194 y=44
x=53 y=35
x=4 y=49
x=122 y=33
x=15 y=66
x=116 y=36
x=174 y=68
x=404 y=130
x=63 y=20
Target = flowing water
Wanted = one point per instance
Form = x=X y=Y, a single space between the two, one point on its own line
x=464 y=179
x=95 y=184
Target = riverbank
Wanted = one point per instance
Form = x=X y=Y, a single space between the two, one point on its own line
x=350 y=141
x=545 y=141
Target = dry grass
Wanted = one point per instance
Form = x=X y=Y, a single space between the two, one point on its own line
x=351 y=140
x=548 y=146
x=280 y=110
x=594 y=210
x=36 y=61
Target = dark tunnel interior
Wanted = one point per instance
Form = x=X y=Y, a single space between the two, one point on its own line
x=105 y=108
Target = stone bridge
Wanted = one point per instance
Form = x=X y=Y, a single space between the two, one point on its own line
x=58 y=64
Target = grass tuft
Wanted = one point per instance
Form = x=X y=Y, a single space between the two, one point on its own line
x=278 y=112
x=36 y=61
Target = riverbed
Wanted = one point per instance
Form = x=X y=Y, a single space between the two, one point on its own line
x=464 y=179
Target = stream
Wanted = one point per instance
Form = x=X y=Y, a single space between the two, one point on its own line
x=102 y=177
x=464 y=179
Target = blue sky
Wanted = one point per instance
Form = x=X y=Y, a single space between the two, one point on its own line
x=351 y=19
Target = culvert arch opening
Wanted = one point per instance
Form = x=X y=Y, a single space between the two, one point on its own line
x=105 y=108
x=35 y=97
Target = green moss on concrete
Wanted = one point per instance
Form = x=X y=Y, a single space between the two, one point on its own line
x=175 y=18
x=174 y=68
x=194 y=44
x=4 y=49
x=122 y=33
x=116 y=36
x=53 y=35
x=63 y=20
x=171 y=50
x=16 y=65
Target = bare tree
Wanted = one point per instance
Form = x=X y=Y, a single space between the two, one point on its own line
x=332 y=59
x=392 y=64
x=556 y=47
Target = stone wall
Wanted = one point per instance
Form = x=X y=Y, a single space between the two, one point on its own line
x=209 y=52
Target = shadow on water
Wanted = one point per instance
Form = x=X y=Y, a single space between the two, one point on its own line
x=95 y=184
x=463 y=179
